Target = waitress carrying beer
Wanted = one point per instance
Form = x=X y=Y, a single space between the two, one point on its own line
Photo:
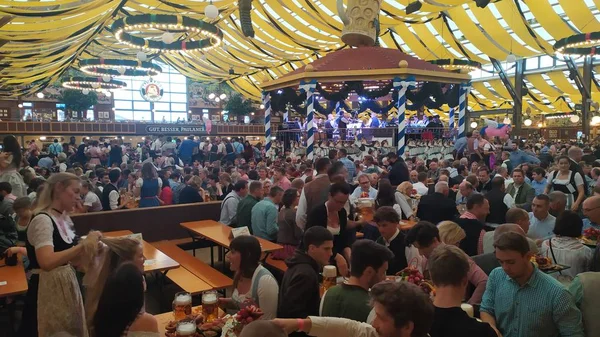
x=53 y=302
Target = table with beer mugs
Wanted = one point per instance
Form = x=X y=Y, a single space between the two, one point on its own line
x=183 y=313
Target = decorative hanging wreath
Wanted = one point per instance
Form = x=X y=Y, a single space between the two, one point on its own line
x=124 y=28
x=116 y=67
x=457 y=64
x=579 y=44
x=92 y=83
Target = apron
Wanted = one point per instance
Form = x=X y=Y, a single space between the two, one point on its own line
x=569 y=189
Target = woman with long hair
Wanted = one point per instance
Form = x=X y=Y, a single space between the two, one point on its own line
x=53 y=302
x=114 y=251
x=9 y=166
x=120 y=308
x=387 y=196
x=248 y=151
x=289 y=234
x=252 y=283
x=148 y=187
x=166 y=193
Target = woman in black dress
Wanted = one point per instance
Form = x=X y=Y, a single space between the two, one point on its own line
x=53 y=303
x=333 y=216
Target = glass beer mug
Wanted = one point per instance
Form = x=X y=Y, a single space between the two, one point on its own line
x=182 y=305
x=365 y=209
x=329 y=277
x=186 y=328
x=210 y=306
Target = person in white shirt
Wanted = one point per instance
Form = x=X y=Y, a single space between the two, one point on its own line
x=90 y=200
x=230 y=203
x=157 y=145
x=565 y=248
x=402 y=309
x=420 y=187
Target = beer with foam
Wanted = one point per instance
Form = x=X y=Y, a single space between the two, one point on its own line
x=182 y=305
x=210 y=306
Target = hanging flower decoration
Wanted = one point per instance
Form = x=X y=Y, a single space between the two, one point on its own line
x=210 y=35
x=92 y=83
x=116 y=67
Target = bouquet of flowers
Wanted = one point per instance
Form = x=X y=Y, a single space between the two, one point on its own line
x=591 y=234
x=234 y=324
x=412 y=275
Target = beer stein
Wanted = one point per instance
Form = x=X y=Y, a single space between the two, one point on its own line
x=365 y=209
x=182 y=305
x=329 y=277
x=210 y=306
x=186 y=328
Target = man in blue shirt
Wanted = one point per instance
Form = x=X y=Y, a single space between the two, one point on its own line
x=46 y=161
x=237 y=146
x=541 y=221
x=264 y=215
x=522 y=301
x=539 y=181
x=186 y=150
x=461 y=143
x=518 y=157
x=342 y=155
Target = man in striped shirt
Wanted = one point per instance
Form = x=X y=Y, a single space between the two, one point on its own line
x=522 y=301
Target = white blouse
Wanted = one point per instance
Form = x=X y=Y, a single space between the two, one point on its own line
x=40 y=230
x=267 y=292
x=570 y=252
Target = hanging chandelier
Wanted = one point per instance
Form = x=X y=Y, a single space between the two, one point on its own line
x=199 y=35
x=116 y=67
x=457 y=64
x=92 y=83
x=579 y=44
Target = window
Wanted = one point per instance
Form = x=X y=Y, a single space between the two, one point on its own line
x=129 y=104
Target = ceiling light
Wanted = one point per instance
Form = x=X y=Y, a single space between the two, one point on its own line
x=574 y=118
x=527 y=122
x=473 y=125
x=506 y=120
x=40 y=95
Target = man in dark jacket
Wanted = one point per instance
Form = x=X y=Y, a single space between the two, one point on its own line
x=387 y=220
x=575 y=154
x=437 y=207
x=499 y=201
x=399 y=171
x=299 y=294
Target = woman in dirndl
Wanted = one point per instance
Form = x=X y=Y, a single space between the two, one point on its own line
x=53 y=303
x=567 y=181
x=148 y=186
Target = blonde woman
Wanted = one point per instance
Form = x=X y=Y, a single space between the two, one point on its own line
x=403 y=201
x=114 y=252
x=53 y=302
x=452 y=234
x=193 y=192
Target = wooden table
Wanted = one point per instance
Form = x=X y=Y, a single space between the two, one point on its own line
x=159 y=261
x=406 y=224
x=165 y=318
x=221 y=234
x=14 y=276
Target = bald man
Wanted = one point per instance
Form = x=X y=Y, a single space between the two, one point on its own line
x=591 y=210
x=490 y=237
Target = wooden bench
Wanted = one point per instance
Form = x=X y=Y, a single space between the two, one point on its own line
x=187 y=281
x=277 y=264
x=203 y=271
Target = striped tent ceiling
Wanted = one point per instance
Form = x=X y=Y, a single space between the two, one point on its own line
x=41 y=39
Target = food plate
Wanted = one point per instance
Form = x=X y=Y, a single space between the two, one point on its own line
x=588 y=242
x=553 y=268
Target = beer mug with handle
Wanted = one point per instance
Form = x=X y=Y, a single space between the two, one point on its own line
x=182 y=305
x=210 y=306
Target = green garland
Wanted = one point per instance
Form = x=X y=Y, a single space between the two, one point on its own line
x=213 y=35
x=101 y=67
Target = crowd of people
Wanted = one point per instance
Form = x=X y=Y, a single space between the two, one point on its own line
x=480 y=215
